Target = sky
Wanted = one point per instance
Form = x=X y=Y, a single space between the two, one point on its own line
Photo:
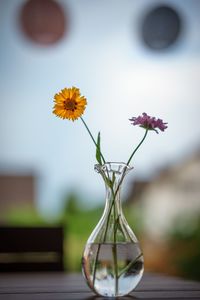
x=102 y=54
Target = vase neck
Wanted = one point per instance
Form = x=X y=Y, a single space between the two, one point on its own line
x=113 y=175
x=112 y=226
x=113 y=201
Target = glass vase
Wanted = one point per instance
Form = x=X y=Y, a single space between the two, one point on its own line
x=112 y=261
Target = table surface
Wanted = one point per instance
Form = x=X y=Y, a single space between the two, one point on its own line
x=58 y=286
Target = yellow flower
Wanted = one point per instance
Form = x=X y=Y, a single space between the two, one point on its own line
x=69 y=104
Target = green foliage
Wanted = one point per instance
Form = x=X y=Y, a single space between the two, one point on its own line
x=25 y=216
x=71 y=205
x=80 y=223
x=79 y=226
x=185 y=248
x=134 y=217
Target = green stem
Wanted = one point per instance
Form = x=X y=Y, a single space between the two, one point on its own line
x=104 y=238
x=109 y=213
x=116 y=222
x=138 y=146
x=114 y=194
x=114 y=250
x=129 y=265
x=96 y=145
x=95 y=265
x=88 y=130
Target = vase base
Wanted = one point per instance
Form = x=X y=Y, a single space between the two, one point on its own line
x=112 y=269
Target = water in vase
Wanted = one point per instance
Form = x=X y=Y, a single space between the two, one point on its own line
x=112 y=269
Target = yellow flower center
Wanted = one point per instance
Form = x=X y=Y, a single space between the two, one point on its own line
x=70 y=104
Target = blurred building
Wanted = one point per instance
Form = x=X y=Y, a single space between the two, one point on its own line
x=169 y=216
x=171 y=198
x=16 y=191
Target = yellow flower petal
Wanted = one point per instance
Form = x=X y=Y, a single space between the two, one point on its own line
x=69 y=104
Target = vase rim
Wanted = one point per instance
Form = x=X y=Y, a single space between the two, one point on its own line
x=117 y=167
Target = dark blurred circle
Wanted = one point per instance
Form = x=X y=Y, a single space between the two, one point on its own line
x=161 y=27
x=43 y=21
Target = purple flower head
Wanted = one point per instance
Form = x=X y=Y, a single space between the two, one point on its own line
x=148 y=122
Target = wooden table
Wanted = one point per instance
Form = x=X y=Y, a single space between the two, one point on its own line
x=64 y=286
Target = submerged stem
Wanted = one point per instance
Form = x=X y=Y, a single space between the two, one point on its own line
x=114 y=251
x=129 y=265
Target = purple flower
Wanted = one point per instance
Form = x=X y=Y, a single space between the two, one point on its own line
x=148 y=122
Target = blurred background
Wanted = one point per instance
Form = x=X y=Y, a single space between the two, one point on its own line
x=127 y=57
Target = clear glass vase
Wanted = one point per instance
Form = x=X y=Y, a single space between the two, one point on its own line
x=112 y=261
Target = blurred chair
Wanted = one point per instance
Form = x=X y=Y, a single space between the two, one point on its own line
x=31 y=249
